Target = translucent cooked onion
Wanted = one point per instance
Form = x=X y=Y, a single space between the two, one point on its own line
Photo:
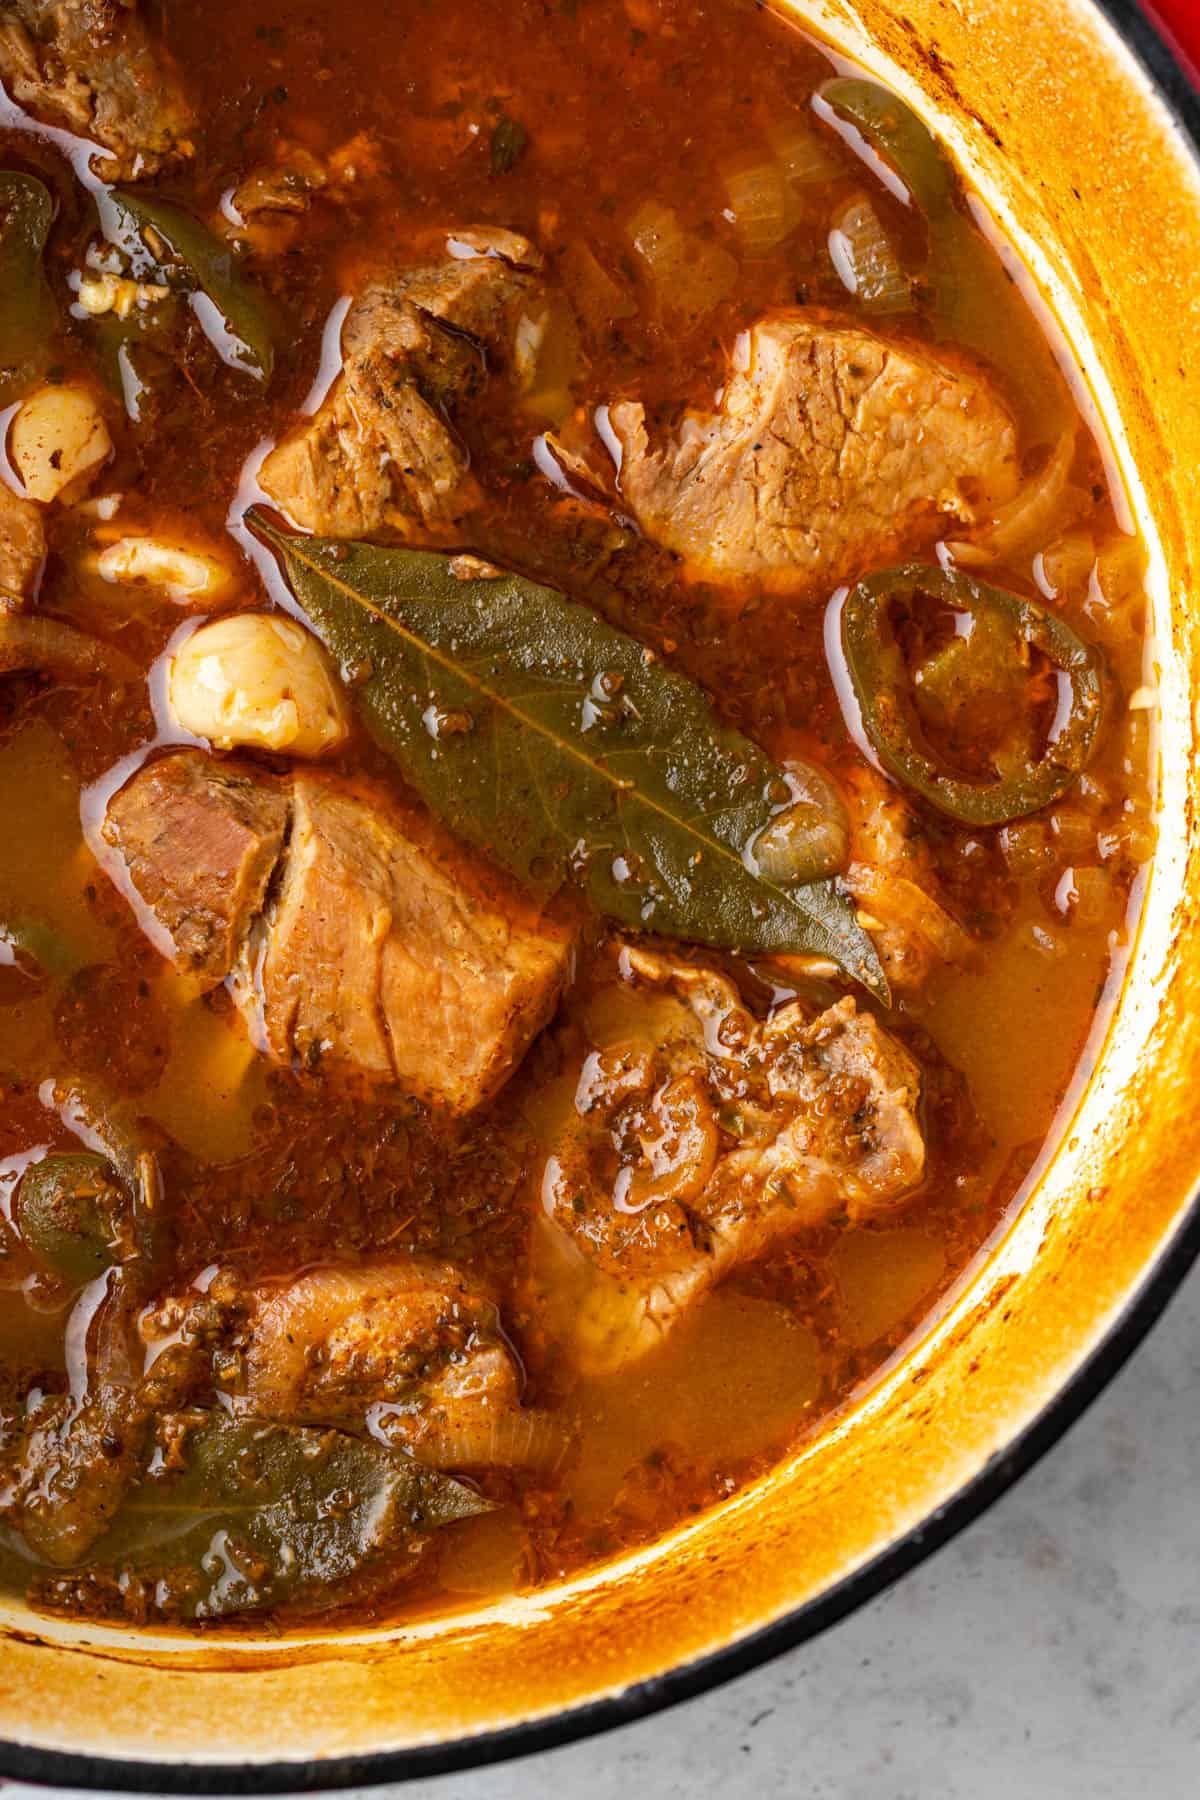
x=809 y=839
x=546 y=358
x=762 y=202
x=1026 y=519
x=596 y=294
x=656 y=235
x=896 y=901
x=689 y=273
x=803 y=155
x=866 y=260
x=512 y=1439
x=800 y=844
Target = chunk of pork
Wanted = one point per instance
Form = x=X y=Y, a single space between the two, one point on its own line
x=94 y=68
x=355 y=937
x=700 y=1136
x=833 y=451
x=382 y=452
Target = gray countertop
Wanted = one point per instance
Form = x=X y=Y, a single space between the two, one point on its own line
x=1051 y=1652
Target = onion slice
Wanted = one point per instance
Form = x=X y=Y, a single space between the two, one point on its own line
x=762 y=202
x=690 y=274
x=516 y=1438
x=866 y=261
x=1023 y=521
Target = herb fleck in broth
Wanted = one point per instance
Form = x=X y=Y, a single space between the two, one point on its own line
x=425 y=1178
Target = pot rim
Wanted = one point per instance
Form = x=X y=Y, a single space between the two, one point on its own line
x=1178 y=89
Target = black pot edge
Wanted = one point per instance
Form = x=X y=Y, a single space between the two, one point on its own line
x=68 y=1769
x=1176 y=84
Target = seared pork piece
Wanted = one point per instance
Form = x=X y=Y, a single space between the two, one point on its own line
x=382 y=452
x=201 y=840
x=331 y=1342
x=432 y=986
x=77 y=1452
x=407 y=1347
x=22 y=548
x=353 y=941
x=892 y=877
x=412 y=1343
x=72 y=1471
x=93 y=68
x=832 y=452
x=700 y=1136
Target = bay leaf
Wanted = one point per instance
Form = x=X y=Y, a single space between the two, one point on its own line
x=243 y=331
x=565 y=749
x=28 y=316
x=263 y=1514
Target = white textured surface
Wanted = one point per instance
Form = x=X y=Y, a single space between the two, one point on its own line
x=1052 y=1652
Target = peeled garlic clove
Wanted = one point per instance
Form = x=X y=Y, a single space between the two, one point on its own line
x=259 y=681
x=186 y=575
x=58 y=441
x=105 y=293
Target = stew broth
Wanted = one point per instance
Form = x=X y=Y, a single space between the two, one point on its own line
x=562 y=123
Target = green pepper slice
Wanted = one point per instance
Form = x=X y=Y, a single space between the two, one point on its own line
x=65 y=1210
x=28 y=316
x=94 y=1113
x=879 y=678
x=973 y=292
x=238 y=318
x=895 y=132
